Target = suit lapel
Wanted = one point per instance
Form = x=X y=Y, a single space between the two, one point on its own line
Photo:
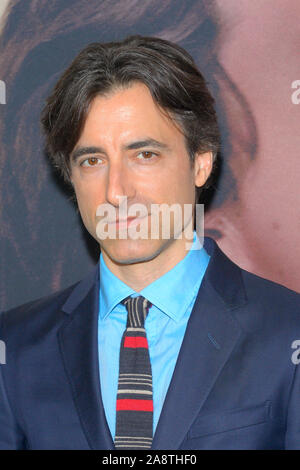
x=212 y=333
x=78 y=339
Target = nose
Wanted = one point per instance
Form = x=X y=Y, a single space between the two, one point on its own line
x=118 y=184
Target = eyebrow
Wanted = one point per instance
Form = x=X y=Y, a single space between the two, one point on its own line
x=132 y=146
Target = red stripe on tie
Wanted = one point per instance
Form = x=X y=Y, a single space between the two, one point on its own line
x=134 y=405
x=135 y=342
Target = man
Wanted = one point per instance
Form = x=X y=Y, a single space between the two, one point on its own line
x=164 y=345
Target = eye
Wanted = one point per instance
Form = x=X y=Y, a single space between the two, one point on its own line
x=89 y=162
x=146 y=155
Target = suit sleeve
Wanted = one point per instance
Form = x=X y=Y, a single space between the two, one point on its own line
x=11 y=436
x=292 y=438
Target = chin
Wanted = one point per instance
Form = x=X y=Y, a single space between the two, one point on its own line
x=132 y=251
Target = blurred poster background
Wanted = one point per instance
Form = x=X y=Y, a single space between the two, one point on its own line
x=3 y=5
x=249 y=53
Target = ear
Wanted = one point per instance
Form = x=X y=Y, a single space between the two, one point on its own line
x=203 y=164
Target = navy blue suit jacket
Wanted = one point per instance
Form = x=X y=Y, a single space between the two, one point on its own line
x=234 y=386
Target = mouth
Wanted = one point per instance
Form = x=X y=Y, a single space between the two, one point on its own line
x=124 y=223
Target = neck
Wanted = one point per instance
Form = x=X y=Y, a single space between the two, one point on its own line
x=141 y=274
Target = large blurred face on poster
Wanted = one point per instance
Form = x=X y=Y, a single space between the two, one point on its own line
x=260 y=53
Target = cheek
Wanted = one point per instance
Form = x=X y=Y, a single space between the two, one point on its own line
x=184 y=185
x=174 y=190
x=87 y=203
x=87 y=191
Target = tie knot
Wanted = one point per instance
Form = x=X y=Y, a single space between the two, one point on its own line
x=137 y=308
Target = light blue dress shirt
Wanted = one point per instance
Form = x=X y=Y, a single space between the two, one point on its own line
x=172 y=297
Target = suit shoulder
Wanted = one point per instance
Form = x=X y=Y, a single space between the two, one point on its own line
x=271 y=303
x=28 y=311
x=267 y=309
x=265 y=288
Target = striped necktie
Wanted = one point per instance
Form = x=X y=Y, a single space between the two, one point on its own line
x=134 y=414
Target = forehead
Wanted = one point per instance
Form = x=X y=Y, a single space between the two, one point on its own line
x=128 y=112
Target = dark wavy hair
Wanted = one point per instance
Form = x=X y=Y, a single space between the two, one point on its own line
x=169 y=72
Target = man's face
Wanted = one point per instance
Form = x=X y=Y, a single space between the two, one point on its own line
x=128 y=147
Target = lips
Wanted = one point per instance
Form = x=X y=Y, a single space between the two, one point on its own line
x=123 y=223
x=121 y=220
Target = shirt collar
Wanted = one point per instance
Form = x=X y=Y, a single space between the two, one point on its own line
x=172 y=293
